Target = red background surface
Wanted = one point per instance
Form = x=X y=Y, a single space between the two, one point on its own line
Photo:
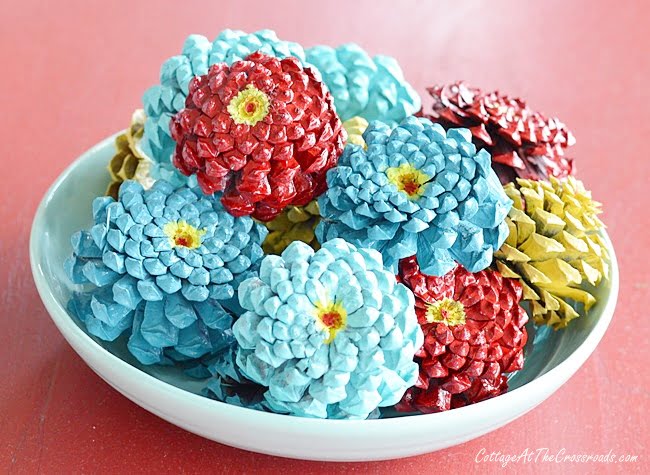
x=71 y=75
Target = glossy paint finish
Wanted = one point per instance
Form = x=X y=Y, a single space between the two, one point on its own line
x=72 y=73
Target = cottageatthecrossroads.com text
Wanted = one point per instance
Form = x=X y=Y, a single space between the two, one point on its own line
x=546 y=455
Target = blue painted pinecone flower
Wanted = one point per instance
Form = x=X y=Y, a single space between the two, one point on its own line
x=227 y=384
x=164 y=100
x=164 y=265
x=417 y=190
x=330 y=333
x=373 y=88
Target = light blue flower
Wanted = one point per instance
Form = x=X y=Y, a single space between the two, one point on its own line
x=330 y=333
x=226 y=383
x=162 y=101
x=373 y=88
x=162 y=265
x=417 y=190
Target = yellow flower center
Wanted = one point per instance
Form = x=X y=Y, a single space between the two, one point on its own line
x=332 y=317
x=408 y=179
x=249 y=106
x=446 y=311
x=181 y=233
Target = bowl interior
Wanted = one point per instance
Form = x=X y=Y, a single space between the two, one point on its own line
x=67 y=209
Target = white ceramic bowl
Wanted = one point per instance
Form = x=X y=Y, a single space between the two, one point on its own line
x=166 y=392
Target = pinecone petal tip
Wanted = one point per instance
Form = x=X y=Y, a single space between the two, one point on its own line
x=554 y=248
x=522 y=142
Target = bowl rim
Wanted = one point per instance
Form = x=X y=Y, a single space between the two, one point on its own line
x=64 y=323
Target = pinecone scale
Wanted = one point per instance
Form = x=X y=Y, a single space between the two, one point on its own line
x=129 y=162
x=474 y=333
x=554 y=248
x=522 y=142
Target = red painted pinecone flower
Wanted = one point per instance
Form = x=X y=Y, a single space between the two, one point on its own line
x=522 y=142
x=474 y=333
x=263 y=131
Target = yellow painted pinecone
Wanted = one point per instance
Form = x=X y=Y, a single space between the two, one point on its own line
x=355 y=127
x=296 y=223
x=129 y=163
x=554 y=247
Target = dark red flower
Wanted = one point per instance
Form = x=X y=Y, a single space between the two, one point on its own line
x=523 y=143
x=474 y=333
x=263 y=131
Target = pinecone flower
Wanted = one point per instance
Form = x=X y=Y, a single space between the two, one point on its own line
x=129 y=162
x=417 y=190
x=474 y=333
x=263 y=131
x=227 y=384
x=164 y=265
x=329 y=333
x=373 y=88
x=523 y=143
x=554 y=247
x=295 y=223
x=355 y=127
x=163 y=101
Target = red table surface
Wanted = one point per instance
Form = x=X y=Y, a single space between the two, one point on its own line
x=72 y=74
